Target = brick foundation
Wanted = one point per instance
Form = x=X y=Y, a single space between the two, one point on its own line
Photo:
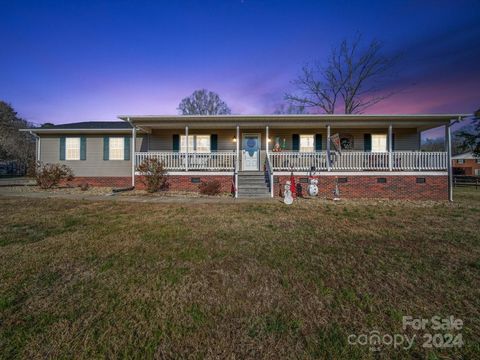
x=185 y=183
x=358 y=186
x=176 y=182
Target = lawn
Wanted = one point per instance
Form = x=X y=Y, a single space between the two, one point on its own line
x=85 y=279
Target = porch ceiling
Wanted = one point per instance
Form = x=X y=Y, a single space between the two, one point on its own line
x=420 y=122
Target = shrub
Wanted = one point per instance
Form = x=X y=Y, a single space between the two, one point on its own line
x=154 y=175
x=84 y=186
x=211 y=187
x=49 y=175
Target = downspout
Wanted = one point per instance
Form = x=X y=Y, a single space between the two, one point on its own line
x=37 y=146
x=133 y=150
x=448 y=144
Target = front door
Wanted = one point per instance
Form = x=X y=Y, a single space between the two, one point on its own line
x=251 y=152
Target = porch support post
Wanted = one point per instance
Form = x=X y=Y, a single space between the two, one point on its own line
x=448 y=145
x=266 y=140
x=186 y=147
x=134 y=146
x=390 y=148
x=329 y=165
x=237 y=161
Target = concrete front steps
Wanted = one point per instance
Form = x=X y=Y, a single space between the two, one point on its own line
x=252 y=184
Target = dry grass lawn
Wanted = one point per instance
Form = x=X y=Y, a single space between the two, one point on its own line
x=84 y=279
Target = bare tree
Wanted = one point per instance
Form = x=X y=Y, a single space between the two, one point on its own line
x=289 y=109
x=203 y=102
x=471 y=137
x=351 y=79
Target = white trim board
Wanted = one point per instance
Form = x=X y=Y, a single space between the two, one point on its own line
x=363 y=173
x=195 y=173
x=306 y=173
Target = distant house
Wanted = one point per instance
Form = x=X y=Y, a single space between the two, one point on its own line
x=466 y=164
x=376 y=156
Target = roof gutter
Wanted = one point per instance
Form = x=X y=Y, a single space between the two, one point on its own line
x=136 y=126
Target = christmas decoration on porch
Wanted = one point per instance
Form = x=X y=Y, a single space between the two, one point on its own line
x=276 y=146
x=287 y=193
x=293 y=187
x=312 y=189
x=299 y=190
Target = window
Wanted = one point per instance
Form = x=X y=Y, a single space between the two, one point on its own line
x=382 y=180
x=116 y=148
x=477 y=172
x=196 y=143
x=72 y=148
x=478 y=161
x=202 y=143
x=379 y=142
x=420 y=180
x=460 y=161
x=307 y=143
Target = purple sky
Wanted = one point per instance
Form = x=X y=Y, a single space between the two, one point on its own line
x=67 y=61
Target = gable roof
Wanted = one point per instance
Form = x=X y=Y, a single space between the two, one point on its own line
x=92 y=125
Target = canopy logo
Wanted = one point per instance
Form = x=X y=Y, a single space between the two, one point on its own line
x=438 y=332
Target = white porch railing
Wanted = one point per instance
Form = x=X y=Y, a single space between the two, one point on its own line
x=300 y=161
x=359 y=160
x=215 y=161
x=404 y=160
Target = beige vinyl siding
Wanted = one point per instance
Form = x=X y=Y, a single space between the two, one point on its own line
x=162 y=140
x=94 y=165
x=405 y=139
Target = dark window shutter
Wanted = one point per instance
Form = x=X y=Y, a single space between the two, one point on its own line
x=176 y=142
x=106 y=148
x=62 y=148
x=213 y=142
x=367 y=142
x=296 y=142
x=393 y=142
x=126 y=148
x=83 y=148
x=318 y=142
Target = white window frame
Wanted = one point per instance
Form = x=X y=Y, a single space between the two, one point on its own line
x=116 y=148
x=72 y=148
x=461 y=161
x=377 y=142
x=193 y=144
x=308 y=148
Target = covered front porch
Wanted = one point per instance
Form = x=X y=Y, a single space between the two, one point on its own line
x=275 y=145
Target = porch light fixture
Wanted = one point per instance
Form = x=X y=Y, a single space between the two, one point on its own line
x=234 y=139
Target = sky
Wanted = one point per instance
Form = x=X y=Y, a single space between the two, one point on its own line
x=69 y=61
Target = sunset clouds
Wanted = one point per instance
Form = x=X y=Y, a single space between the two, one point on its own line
x=67 y=62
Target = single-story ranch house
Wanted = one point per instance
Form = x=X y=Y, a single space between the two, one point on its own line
x=379 y=155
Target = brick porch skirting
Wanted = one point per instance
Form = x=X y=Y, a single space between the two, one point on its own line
x=176 y=182
x=191 y=182
x=422 y=187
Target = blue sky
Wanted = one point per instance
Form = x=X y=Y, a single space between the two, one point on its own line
x=67 y=61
